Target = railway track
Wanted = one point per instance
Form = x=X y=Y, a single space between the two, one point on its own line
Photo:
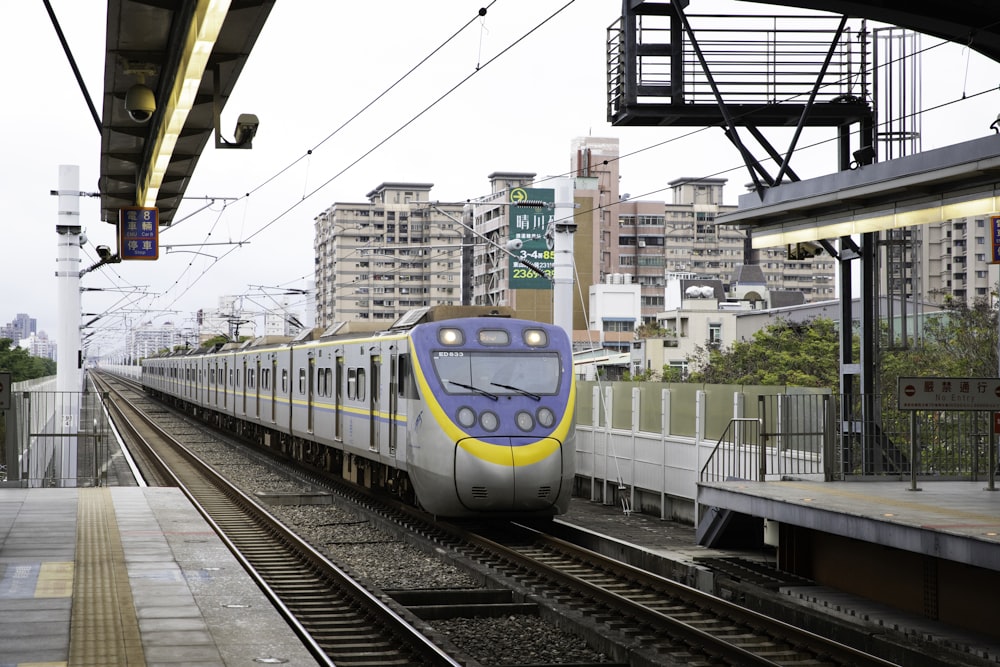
x=339 y=621
x=663 y=617
x=639 y=618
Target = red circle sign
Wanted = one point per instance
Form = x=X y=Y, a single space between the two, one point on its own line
x=909 y=390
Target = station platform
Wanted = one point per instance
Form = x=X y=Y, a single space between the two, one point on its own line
x=954 y=521
x=127 y=576
x=921 y=566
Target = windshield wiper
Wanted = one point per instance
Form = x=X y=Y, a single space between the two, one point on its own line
x=475 y=389
x=523 y=392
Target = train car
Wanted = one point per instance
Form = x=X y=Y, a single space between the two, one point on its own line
x=465 y=411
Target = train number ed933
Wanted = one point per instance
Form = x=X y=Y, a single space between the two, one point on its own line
x=465 y=411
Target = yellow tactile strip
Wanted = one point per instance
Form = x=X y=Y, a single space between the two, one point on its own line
x=104 y=629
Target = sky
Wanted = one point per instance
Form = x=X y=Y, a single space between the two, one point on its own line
x=508 y=93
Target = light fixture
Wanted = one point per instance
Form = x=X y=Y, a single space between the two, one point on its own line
x=200 y=40
x=939 y=210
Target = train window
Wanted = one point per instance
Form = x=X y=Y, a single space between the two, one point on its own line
x=361 y=384
x=284 y=379
x=230 y=381
x=250 y=378
x=407 y=387
x=499 y=374
x=265 y=378
x=302 y=381
x=352 y=383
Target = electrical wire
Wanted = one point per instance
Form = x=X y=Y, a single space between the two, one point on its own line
x=308 y=195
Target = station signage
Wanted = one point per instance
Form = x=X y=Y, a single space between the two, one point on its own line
x=139 y=233
x=936 y=393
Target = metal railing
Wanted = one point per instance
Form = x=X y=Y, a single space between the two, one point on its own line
x=739 y=453
x=750 y=60
x=57 y=439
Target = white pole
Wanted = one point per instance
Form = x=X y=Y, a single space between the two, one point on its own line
x=565 y=227
x=69 y=376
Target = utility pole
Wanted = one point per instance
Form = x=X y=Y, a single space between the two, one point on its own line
x=69 y=359
x=562 y=274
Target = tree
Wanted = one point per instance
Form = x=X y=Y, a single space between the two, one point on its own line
x=651 y=330
x=21 y=365
x=647 y=375
x=802 y=354
x=961 y=341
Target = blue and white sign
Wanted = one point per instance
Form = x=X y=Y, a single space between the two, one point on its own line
x=139 y=233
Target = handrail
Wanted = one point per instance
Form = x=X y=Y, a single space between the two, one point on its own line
x=735 y=460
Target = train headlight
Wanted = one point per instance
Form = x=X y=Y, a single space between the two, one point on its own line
x=466 y=417
x=451 y=337
x=525 y=421
x=535 y=338
x=546 y=418
x=489 y=421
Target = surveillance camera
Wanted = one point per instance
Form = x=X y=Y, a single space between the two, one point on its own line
x=804 y=250
x=140 y=103
x=103 y=251
x=83 y=240
x=515 y=244
x=246 y=128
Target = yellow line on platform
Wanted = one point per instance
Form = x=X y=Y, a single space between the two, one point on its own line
x=104 y=629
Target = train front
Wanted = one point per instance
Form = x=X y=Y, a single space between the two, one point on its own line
x=496 y=433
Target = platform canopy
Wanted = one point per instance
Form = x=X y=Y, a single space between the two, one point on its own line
x=961 y=180
x=189 y=54
x=972 y=23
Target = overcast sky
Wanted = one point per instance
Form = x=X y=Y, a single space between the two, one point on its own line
x=314 y=66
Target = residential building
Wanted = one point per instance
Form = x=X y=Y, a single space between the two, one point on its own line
x=615 y=305
x=230 y=319
x=39 y=345
x=148 y=339
x=946 y=259
x=649 y=239
x=376 y=260
x=21 y=327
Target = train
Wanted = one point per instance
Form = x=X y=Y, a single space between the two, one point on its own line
x=463 y=411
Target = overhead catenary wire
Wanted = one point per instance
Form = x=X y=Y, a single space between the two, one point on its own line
x=309 y=194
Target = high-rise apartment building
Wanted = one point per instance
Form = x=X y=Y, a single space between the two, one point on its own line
x=21 y=327
x=397 y=251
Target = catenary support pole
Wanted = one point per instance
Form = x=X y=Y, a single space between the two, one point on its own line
x=565 y=227
x=69 y=374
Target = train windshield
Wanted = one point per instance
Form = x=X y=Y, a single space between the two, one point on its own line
x=492 y=374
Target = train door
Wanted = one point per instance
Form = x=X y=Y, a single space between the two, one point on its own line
x=373 y=401
x=273 y=382
x=227 y=378
x=256 y=393
x=246 y=381
x=393 y=402
x=310 y=393
x=338 y=391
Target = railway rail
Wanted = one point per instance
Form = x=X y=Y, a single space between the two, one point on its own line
x=340 y=621
x=641 y=618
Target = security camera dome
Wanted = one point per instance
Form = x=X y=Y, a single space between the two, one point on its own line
x=140 y=103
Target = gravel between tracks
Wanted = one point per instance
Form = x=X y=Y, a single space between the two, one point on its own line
x=390 y=564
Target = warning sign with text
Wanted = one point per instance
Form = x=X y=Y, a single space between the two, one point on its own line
x=932 y=393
